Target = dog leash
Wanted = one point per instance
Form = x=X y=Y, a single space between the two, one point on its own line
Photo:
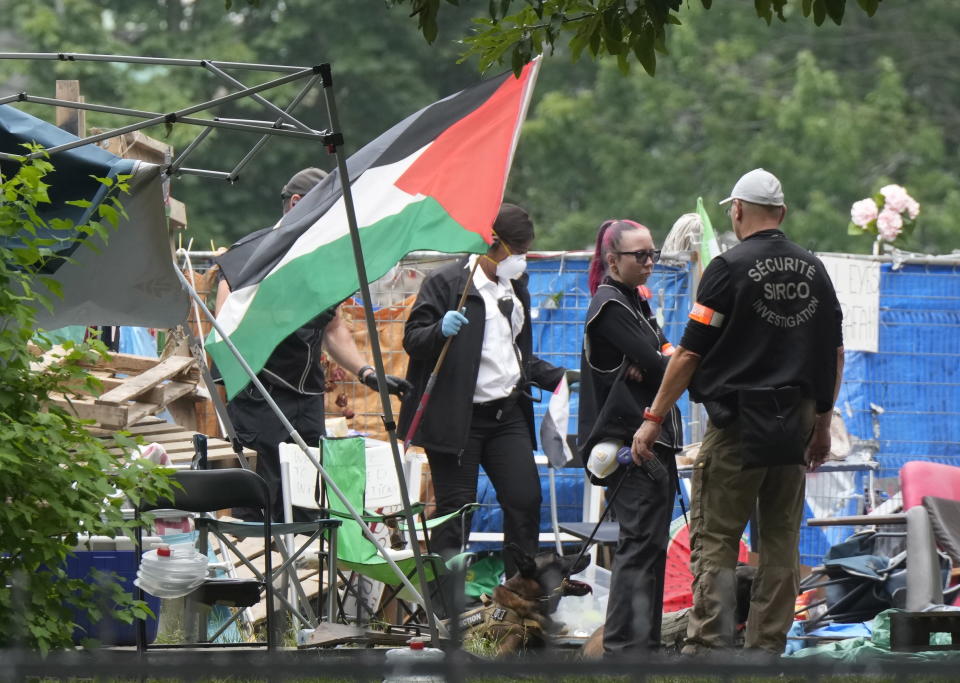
x=589 y=541
x=607 y=507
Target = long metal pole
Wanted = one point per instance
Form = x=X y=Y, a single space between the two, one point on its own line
x=284 y=115
x=217 y=122
x=180 y=158
x=181 y=114
x=295 y=435
x=388 y=420
x=133 y=59
x=263 y=140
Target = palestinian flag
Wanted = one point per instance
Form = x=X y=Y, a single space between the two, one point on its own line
x=434 y=181
x=553 y=427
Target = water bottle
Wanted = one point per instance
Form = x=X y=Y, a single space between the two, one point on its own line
x=171 y=572
x=401 y=660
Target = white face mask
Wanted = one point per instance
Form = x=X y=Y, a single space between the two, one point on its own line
x=512 y=267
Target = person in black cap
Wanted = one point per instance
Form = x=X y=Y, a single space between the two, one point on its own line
x=293 y=374
x=480 y=412
x=763 y=351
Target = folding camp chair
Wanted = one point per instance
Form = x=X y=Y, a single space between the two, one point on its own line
x=345 y=461
x=205 y=491
x=868 y=572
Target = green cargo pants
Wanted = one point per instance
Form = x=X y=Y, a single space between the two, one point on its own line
x=723 y=499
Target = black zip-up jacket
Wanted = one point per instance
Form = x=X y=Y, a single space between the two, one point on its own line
x=621 y=329
x=445 y=424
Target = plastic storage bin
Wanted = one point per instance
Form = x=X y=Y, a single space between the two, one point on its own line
x=123 y=563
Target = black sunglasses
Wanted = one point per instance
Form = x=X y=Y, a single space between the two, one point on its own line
x=642 y=255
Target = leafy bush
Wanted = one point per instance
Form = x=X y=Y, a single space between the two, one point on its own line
x=57 y=479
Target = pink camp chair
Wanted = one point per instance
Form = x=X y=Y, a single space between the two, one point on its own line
x=930 y=524
x=919 y=479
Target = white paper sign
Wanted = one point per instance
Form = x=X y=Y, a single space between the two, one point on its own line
x=857 y=282
x=382 y=490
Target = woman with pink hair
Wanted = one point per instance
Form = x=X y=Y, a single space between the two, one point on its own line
x=621 y=366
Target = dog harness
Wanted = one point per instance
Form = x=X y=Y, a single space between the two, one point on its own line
x=497 y=622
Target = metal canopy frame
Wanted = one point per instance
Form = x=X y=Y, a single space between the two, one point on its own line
x=284 y=124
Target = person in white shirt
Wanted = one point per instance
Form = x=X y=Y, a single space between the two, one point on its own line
x=480 y=412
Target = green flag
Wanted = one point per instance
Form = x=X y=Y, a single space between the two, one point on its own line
x=709 y=247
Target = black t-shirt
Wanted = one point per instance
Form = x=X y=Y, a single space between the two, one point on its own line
x=766 y=316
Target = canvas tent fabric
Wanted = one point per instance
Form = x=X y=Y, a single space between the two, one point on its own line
x=130 y=279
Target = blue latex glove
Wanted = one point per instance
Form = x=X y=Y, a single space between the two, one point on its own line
x=451 y=323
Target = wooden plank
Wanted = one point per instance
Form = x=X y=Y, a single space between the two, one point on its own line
x=130 y=364
x=137 y=410
x=165 y=438
x=124 y=363
x=176 y=214
x=146 y=429
x=73 y=121
x=140 y=384
x=159 y=437
x=52 y=357
x=179 y=458
x=163 y=394
x=136 y=145
x=86 y=409
x=180 y=447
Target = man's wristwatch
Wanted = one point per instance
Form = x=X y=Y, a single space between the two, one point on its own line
x=362 y=371
x=650 y=417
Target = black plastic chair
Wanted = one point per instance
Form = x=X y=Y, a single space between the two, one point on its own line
x=211 y=490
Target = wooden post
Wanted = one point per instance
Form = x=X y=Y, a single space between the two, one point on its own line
x=71 y=120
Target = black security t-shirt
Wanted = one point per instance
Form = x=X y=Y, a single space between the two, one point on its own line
x=766 y=316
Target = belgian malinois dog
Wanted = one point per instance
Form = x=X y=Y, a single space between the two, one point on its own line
x=517 y=616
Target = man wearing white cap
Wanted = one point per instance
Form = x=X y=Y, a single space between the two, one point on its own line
x=763 y=351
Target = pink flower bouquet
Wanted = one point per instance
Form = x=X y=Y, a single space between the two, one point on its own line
x=889 y=214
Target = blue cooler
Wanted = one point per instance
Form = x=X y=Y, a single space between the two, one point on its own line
x=123 y=563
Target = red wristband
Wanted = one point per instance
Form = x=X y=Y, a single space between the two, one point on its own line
x=648 y=416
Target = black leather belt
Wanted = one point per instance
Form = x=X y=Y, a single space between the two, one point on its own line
x=491 y=405
x=497 y=406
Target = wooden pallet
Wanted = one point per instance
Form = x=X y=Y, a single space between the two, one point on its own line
x=133 y=387
x=177 y=441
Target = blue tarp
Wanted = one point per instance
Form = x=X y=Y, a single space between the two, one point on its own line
x=915 y=376
x=559 y=298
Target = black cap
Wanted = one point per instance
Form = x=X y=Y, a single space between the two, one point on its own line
x=302 y=182
x=513 y=225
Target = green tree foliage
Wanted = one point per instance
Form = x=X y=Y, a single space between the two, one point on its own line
x=383 y=71
x=516 y=30
x=733 y=98
x=58 y=480
x=837 y=111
